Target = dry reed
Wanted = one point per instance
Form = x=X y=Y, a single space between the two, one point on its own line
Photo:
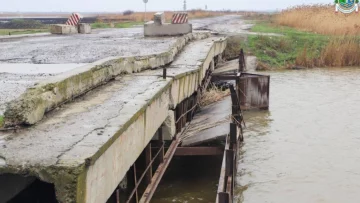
x=214 y=94
x=139 y=16
x=341 y=52
x=320 y=19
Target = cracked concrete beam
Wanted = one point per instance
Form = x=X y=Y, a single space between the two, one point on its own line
x=32 y=105
x=88 y=145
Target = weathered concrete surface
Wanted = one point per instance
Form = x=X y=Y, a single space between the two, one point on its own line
x=101 y=43
x=86 y=146
x=212 y=122
x=16 y=78
x=84 y=28
x=63 y=49
x=63 y=29
x=152 y=29
x=31 y=106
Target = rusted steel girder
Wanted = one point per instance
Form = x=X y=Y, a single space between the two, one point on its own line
x=159 y=173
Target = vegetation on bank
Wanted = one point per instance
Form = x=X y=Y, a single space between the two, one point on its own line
x=130 y=16
x=298 y=47
x=1 y=121
x=319 y=19
x=292 y=48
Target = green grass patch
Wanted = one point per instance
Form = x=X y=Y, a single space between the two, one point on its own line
x=21 y=31
x=284 y=51
x=1 y=121
x=100 y=25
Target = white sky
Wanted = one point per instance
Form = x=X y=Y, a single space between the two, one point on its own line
x=153 y=5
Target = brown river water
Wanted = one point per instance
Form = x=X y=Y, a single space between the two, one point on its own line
x=305 y=149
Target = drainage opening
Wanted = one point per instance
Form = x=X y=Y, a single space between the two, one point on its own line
x=190 y=179
x=18 y=189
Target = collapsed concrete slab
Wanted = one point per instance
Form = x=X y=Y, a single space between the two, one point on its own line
x=63 y=29
x=32 y=105
x=86 y=147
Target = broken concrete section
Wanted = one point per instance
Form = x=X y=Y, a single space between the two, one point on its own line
x=211 y=123
x=86 y=147
x=31 y=106
x=63 y=29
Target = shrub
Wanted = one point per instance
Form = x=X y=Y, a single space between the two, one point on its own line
x=128 y=12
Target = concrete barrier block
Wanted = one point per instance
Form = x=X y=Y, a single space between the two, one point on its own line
x=154 y=30
x=63 y=29
x=84 y=28
x=159 y=18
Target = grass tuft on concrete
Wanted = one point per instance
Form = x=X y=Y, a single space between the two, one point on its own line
x=1 y=121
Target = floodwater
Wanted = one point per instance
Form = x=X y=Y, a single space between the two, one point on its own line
x=190 y=180
x=307 y=147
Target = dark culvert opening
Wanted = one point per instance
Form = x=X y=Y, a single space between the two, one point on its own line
x=18 y=189
x=190 y=179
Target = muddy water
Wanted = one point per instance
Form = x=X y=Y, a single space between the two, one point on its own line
x=190 y=180
x=307 y=147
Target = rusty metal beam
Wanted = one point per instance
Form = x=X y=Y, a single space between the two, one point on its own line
x=138 y=182
x=147 y=163
x=199 y=151
x=159 y=173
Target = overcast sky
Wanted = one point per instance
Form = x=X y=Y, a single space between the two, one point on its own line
x=153 y=5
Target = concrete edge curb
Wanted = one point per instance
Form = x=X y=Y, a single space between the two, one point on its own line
x=30 y=107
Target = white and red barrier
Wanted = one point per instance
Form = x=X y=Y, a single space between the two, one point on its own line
x=74 y=19
x=180 y=18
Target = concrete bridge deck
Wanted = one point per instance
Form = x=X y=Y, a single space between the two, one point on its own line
x=44 y=56
x=86 y=147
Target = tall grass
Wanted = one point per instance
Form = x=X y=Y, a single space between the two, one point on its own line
x=1 y=121
x=341 y=52
x=320 y=19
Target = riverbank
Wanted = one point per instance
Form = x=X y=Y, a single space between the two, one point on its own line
x=299 y=48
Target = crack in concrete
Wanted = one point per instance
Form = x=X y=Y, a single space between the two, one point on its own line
x=73 y=145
